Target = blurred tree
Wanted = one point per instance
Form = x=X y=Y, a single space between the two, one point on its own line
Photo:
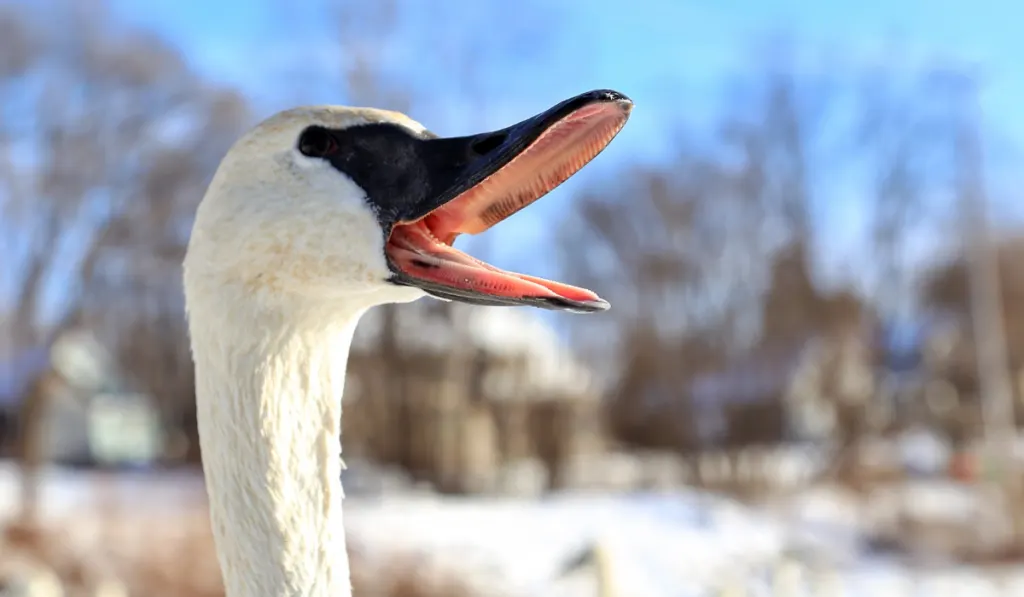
x=978 y=290
x=650 y=241
x=905 y=129
x=716 y=248
x=107 y=140
x=989 y=315
x=712 y=254
x=706 y=255
x=947 y=293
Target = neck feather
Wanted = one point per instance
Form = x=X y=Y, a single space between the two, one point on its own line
x=268 y=387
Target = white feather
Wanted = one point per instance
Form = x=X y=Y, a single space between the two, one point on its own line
x=284 y=258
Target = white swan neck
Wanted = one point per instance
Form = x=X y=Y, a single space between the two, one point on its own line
x=269 y=389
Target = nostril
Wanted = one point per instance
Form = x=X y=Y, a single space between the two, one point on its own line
x=487 y=144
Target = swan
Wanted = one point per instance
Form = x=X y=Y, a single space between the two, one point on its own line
x=313 y=217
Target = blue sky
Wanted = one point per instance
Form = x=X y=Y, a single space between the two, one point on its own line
x=670 y=56
x=658 y=51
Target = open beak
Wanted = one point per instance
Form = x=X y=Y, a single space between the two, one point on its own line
x=480 y=180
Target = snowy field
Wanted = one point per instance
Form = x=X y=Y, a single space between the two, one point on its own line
x=657 y=545
x=670 y=545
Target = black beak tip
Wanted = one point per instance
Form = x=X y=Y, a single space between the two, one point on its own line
x=610 y=95
x=596 y=306
x=564 y=304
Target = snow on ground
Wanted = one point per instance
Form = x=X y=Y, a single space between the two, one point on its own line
x=659 y=543
x=670 y=545
x=678 y=544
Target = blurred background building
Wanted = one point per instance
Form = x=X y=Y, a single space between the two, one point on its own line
x=812 y=375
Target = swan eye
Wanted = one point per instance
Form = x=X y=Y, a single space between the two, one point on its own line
x=317 y=142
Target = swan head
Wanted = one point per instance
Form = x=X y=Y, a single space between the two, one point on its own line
x=336 y=203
